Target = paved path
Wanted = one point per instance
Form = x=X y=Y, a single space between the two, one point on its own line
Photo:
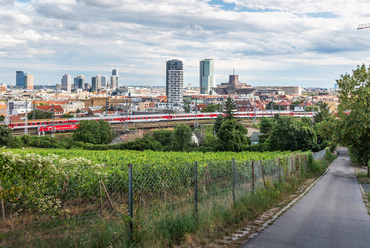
x=331 y=214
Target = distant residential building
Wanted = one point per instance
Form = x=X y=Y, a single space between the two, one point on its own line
x=28 y=82
x=20 y=79
x=87 y=86
x=2 y=88
x=255 y=138
x=79 y=82
x=66 y=82
x=174 y=81
x=96 y=83
x=73 y=106
x=207 y=78
x=58 y=110
x=336 y=87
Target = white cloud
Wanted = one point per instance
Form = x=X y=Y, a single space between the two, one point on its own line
x=94 y=36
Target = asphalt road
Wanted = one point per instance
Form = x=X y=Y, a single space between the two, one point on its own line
x=331 y=214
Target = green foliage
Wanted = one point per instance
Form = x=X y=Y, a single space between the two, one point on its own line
x=67 y=116
x=287 y=134
x=266 y=126
x=352 y=129
x=323 y=113
x=39 y=115
x=95 y=132
x=305 y=121
x=218 y=123
x=187 y=106
x=231 y=136
x=210 y=108
x=6 y=136
x=230 y=107
x=142 y=144
x=2 y=118
x=182 y=137
x=173 y=228
x=164 y=136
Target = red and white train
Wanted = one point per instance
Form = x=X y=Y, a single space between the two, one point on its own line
x=72 y=123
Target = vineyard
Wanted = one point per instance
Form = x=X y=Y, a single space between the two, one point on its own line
x=71 y=193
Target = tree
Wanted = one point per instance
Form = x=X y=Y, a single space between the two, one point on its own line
x=6 y=136
x=351 y=127
x=230 y=107
x=218 y=123
x=164 y=136
x=232 y=136
x=288 y=135
x=323 y=113
x=187 y=106
x=67 y=116
x=210 y=108
x=182 y=137
x=266 y=126
x=2 y=118
x=39 y=115
x=92 y=131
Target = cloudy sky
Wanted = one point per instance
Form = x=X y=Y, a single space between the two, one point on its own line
x=268 y=42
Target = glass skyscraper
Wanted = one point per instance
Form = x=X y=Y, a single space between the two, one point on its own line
x=207 y=78
x=20 y=79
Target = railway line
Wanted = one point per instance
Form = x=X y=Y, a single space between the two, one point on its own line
x=163 y=120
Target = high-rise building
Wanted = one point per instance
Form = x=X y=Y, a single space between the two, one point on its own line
x=28 y=81
x=174 y=81
x=104 y=82
x=96 y=83
x=79 y=82
x=66 y=82
x=207 y=78
x=114 y=79
x=20 y=79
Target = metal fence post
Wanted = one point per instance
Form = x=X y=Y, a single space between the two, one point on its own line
x=279 y=170
x=196 y=188
x=234 y=181
x=253 y=176
x=130 y=202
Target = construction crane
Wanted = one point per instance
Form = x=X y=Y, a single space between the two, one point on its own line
x=363 y=26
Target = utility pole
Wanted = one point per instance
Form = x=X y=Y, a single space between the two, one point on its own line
x=34 y=109
x=53 y=117
x=7 y=117
x=255 y=112
x=106 y=107
x=312 y=109
x=196 y=112
x=26 y=118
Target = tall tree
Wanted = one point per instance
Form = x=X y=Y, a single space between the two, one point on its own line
x=230 y=107
x=232 y=136
x=351 y=128
x=218 y=123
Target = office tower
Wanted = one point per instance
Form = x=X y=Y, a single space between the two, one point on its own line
x=79 y=82
x=66 y=82
x=20 y=79
x=104 y=82
x=174 y=81
x=114 y=79
x=207 y=78
x=96 y=83
x=87 y=86
x=28 y=81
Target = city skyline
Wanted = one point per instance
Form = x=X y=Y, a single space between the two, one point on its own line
x=308 y=44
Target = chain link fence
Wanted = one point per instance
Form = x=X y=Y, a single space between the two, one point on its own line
x=116 y=203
